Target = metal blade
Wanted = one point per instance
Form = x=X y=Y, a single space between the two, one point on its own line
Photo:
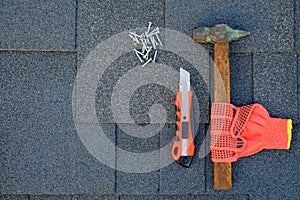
x=184 y=88
x=184 y=79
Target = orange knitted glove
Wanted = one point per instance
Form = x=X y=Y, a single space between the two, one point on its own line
x=242 y=131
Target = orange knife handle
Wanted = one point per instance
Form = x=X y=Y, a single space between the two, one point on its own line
x=177 y=151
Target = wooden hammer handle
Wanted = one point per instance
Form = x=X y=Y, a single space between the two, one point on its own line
x=222 y=171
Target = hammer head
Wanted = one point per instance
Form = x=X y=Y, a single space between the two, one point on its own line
x=221 y=33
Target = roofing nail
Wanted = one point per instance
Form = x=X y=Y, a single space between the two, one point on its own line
x=134 y=39
x=147 y=41
x=144 y=42
x=158 y=39
x=147 y=53
x=149 y=26
x=134 y=34
x=153 y=42
x=144 y=48
x=153 y=33
x=142 y=35
x=137 y=53
x=154 y=57
x=155 y=30
x=147 y=62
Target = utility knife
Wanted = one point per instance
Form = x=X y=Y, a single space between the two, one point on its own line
x=183 y=147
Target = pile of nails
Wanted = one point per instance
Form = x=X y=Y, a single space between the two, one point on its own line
x=149 y=41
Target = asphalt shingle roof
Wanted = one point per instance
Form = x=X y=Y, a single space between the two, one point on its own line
x=43 y=44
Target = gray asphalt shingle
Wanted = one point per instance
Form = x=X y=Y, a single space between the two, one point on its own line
x=137 y=197
x=241 y=79
x=139 y=96
x=132 y=154
x=270 y=22
x=98 y=21
x=207 y=196
x=298 y=85
x=13 y=197
x=90 y=174
x=175 y=179
x=132 y=183
x=188 y=197
x=95 y=197
x=34 y=121
x=270 y=174
x=50 y=197
x=43 y=154
x=275 y=78
x=38 y=76
x=37 y=24
x=141 y=99
x=297 y=26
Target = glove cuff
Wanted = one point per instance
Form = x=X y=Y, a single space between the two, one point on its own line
x=280 y=131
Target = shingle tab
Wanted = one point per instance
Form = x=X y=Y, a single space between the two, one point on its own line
x=175 y=179
x=50 y=197
x=36 y=75
x=241 y=79
x=297 y=26
x=96 y=197
x=132 y=159
x=13 y=197
x=100 y=20
x=37 y=24
x=188 y=197
x=92 y=174
x=298 y=91
x=35 y=95
x=208 y=196
x=137 y=197
x=142 y=183
x=270 y=22
x=275 y=80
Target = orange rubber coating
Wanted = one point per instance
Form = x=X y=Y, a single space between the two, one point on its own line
x=177 y=144
x=243 y=131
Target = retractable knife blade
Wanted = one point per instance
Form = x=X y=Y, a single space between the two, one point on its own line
x=183 y=147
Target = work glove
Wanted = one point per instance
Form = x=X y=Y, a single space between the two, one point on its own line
x=242 y=131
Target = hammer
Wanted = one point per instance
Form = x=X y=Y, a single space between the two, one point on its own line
x=220 y=35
